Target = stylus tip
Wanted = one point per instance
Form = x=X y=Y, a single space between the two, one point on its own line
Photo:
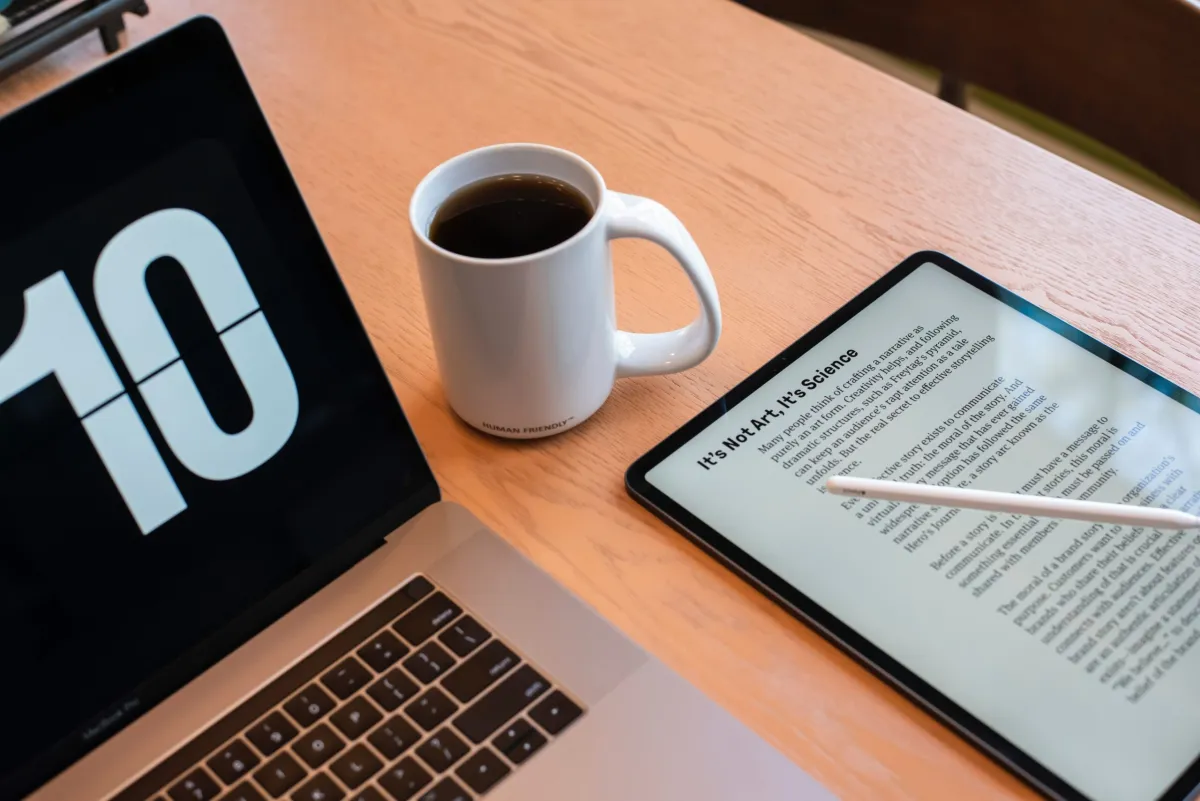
x=837 y=485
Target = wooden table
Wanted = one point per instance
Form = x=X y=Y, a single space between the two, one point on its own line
x=803 y=175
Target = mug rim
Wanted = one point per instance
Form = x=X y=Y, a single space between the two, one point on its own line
x=423 y=187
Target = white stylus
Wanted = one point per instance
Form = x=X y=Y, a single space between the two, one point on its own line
x=1033 y=505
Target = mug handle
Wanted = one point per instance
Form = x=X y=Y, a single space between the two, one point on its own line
x=630 y=216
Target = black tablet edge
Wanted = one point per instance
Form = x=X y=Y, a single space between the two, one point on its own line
x=800 y=606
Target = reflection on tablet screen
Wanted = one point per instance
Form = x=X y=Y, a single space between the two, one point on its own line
x=1074 y=641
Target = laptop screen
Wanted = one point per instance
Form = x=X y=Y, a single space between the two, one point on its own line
x=195 y=432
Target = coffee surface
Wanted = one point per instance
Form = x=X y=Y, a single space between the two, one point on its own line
x=510 y=215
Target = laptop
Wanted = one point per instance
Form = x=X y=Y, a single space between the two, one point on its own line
x=225 y=569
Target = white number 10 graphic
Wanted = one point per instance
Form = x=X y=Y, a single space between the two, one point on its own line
x=56 y=338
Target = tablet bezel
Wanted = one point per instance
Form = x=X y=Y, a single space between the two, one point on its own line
x=827 y=624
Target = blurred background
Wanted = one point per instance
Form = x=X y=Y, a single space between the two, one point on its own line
x=1112 y=85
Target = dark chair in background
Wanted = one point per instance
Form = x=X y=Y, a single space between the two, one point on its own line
x=36 y=33
x=1124 y=72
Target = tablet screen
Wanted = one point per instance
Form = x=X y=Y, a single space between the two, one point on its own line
x=1075 y=642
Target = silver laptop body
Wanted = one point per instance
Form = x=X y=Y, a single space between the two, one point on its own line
x=645 y=732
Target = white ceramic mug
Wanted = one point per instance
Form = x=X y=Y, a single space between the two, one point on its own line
x=529 y=346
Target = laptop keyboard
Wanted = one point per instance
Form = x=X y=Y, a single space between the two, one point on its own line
x=415 y=700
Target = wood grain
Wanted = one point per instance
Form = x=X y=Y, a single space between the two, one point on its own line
x=803 y=175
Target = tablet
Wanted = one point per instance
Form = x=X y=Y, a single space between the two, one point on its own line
x=1065 y=650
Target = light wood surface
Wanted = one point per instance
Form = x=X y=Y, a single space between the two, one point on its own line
x=803 y=176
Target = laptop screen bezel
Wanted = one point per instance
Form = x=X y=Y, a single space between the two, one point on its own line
x=201 y=43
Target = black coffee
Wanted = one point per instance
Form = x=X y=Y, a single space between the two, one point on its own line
x=510 y=215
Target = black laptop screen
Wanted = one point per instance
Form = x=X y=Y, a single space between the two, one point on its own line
x=194 y=430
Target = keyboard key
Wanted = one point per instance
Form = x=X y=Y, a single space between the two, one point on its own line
x=196 y=786
x=429 y=663
x=309 y=705
x=392 y=690
x=419 y=624
x=244 y=792
x=481 y=671
x=512 y=734
x=483 y=770
x=465 y=636
x=319 y=788
x=356 y=718
x=446 y=790
x=394 y=738
x=280 y=775
x=530 y=745
x=431 y=709
x=418 y=588
x=367 y=794
x=442 y=750
x=383 y=651
x=356 y=766
x=271 y=733
x=496 y=708
x=233 y=761
x=556 y=713
x=319 y=746
x=347 y=678
x=404 y=779
x=409 y=595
